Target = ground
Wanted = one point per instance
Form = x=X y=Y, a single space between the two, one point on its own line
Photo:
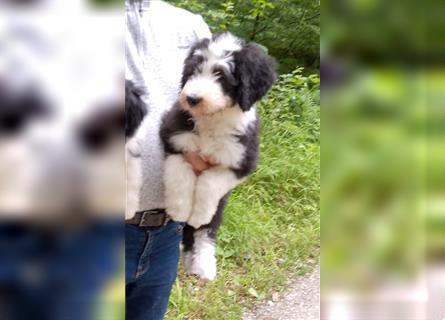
x=300 y=301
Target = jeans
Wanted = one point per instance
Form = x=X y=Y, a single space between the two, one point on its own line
x=57 y=274
x=151 y=262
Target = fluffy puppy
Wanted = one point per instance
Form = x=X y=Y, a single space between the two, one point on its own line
x=215 y=115
x=135 y=111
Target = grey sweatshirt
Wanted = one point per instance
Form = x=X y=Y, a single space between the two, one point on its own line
x=158 y=37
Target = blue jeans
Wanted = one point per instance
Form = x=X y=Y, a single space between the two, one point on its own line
x=151 y=263
x=55 y=274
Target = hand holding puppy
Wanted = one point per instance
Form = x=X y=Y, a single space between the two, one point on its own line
x=198 y=162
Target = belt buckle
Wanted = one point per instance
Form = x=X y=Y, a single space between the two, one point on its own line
x=159 y=218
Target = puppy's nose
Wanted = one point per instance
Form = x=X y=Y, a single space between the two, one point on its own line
x=193 y=100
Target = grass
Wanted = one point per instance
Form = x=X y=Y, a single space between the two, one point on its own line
x=272 y=220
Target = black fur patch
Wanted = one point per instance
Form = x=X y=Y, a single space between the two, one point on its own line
x=135 y=108
x=188 y=239
x=17 y=109
x=250 y=140
x=193 y=61
x=228 y=82
x=175 y=121
x=102 y=126
x=255 y=71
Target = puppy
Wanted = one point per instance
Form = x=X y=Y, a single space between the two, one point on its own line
x=135 y=111
x=215 y=115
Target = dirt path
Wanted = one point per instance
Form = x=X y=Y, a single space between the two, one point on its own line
x=301 y=301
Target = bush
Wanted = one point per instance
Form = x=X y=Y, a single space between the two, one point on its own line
x=289 y=29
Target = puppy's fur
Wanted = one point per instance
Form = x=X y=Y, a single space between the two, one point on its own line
x=215 y=115
x=135 y=111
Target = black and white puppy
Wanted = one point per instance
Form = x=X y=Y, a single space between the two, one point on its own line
x=215 y=115
x=135 y=111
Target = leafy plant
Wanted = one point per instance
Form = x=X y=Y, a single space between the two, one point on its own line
x=289 y=29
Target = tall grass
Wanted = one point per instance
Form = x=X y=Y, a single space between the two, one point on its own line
x=271 y=226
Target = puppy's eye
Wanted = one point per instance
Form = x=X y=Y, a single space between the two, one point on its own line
x=218 y=72
x=199 y=59
x=226 y=53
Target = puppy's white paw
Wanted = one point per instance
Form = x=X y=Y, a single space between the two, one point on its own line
x=134 y=147
x=179 y=181
x=187 y=261
x=178 y=212
x=204 y=266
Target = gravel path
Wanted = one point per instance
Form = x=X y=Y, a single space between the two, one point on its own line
x=301 y=301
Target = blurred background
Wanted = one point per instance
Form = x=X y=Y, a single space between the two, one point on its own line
x=382 y=200
x=62 y=181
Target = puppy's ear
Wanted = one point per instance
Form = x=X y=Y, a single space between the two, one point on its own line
x=255 y=72
x=193 y=60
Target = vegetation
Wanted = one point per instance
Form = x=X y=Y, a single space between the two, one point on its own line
x=272 y=220
x=289 y=29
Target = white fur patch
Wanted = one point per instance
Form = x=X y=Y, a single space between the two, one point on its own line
x=206 y=87
x=204 y=261
x=225 y=42
x=211 y=186
x=185 y=142
x=217 y=135
x=179 y=182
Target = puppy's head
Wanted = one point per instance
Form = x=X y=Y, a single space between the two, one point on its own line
x=225 y=72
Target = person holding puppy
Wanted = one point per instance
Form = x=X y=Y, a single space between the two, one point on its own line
x=158 y=38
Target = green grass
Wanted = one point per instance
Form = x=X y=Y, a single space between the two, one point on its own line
x=272 y=219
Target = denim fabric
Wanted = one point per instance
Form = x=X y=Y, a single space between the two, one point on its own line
x=52 y=275
x=151 y=262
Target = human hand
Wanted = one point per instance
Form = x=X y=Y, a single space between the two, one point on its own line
x=198 y=163
x=210 y=160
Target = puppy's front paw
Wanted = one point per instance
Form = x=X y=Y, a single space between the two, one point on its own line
x=179 y=181
x=204 y=266
x=134 y=147
x=178 y=213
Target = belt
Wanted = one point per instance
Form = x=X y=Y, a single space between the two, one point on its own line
x=150 y=218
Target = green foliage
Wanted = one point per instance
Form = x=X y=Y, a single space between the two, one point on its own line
x=272 y=220
x=373 y=179
x=289 y=29
x=295 y=99
x=106 y=3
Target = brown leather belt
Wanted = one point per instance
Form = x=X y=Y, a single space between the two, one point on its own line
x=150 y=218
